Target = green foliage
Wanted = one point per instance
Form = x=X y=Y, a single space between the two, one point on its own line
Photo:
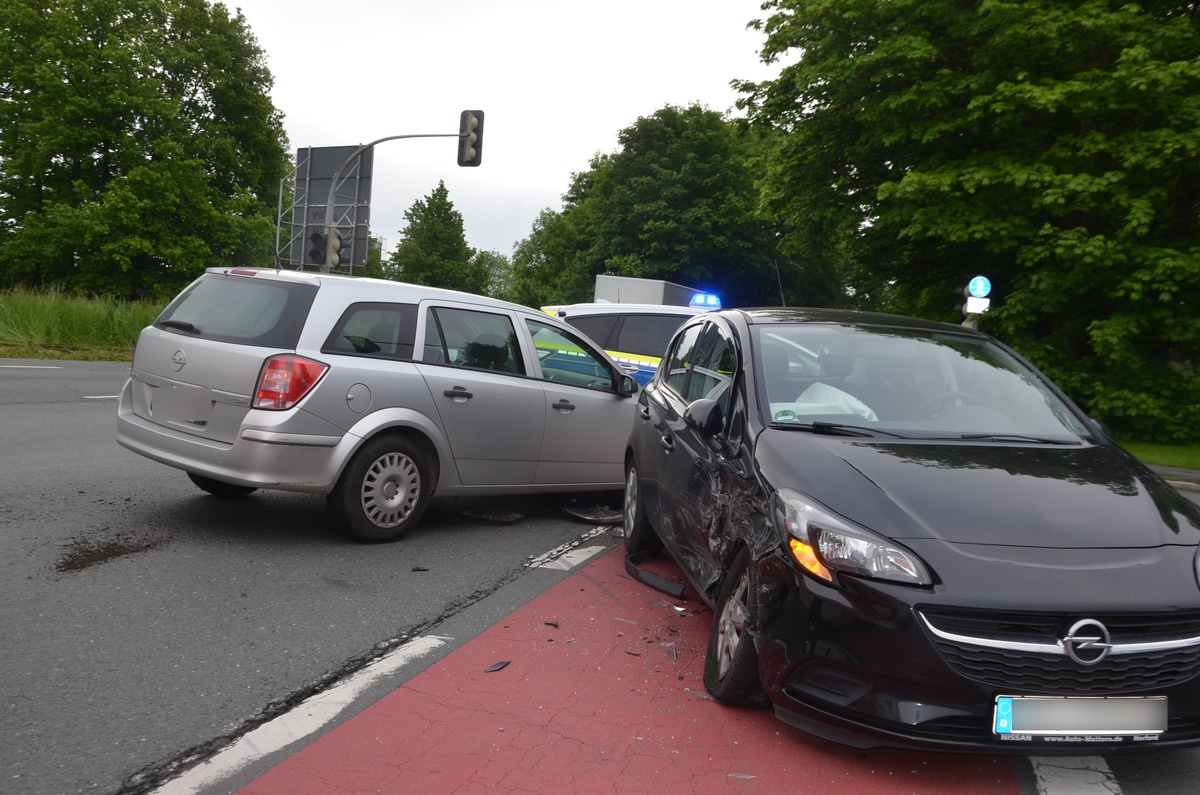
x=678 y=201
x=499 y=272
x=138 y=144
x=1182 y=456
x=434 y=250
x=54 y=324
x=1054 y=147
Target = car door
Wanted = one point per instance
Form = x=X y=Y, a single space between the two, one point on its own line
x=492 y=411
x=694 y=486
x=587 y=418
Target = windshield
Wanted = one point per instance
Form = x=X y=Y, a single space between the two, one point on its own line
x=904 y=382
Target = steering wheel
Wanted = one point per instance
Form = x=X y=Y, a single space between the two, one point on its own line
x=939 y=400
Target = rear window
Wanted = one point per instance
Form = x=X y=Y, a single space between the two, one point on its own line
x=240 y=309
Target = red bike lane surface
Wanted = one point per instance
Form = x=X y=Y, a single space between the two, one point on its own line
x=602 y=693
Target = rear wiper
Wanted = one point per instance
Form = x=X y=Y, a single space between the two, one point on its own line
x=1015 y=437
x=182 y=325
x=840 y=429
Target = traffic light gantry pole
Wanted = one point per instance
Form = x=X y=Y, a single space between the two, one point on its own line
x=470 y=150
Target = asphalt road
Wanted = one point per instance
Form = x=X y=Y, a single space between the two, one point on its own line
x=144 y=622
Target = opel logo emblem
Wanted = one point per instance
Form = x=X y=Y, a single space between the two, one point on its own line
x=1087 y=642
x=178 y=360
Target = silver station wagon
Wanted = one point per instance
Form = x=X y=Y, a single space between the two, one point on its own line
x=377 y=394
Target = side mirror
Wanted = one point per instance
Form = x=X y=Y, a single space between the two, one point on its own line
x=626 y=385
x=706 y=416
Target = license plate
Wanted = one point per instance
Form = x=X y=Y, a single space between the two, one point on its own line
x=1039 y=715
x=181 y=403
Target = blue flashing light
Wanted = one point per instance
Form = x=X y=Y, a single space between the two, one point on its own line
x=706 y=300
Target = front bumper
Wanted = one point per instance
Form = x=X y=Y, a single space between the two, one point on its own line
x=858 y=665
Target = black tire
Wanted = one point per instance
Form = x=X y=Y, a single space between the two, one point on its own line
x=639 y=534
x=383 y=490
x=731 y=664
x=216 y=488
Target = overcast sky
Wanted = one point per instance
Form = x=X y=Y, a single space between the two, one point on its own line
x=556 y=79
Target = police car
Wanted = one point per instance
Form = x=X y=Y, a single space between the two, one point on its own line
x=634 y=335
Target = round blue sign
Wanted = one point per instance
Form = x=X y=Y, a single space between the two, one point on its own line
x=979 y=287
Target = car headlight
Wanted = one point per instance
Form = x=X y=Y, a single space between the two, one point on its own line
x=824 y=544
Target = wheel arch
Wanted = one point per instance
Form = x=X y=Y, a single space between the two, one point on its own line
x=411 y=425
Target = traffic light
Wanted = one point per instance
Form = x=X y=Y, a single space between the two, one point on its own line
x=317 y=254
x=470 y=138
x=339 y=252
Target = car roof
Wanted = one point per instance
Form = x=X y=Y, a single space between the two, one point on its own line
x=412 y=292
x=604 y=308
x=850 y=317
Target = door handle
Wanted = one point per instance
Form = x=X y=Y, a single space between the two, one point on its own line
x=644 y=412
x=667 y=442
x=564 y=405
x=457 y=392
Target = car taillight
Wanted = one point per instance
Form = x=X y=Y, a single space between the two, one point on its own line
x=285 y=379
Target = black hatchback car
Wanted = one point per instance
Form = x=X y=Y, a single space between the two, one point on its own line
x=909 y=537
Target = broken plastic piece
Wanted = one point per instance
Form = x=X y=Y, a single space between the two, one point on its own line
x=494 y=517
x=600 y=514
x=655 y=581
x=497 y=667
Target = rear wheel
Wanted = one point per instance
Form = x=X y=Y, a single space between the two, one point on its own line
x=731 y=665
x=639 y=535
x=383 y=491
x=219 y=489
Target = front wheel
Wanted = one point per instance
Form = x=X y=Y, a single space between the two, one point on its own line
x=217 y=488
x=731 y=664
x=383 y=491
x=639 y=535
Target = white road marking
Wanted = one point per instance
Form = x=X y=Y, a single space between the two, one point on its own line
x=570 y=560
x=31 y=367
x=1074 y=775
x=567 y=553
x=100 y=397
x=299 y=722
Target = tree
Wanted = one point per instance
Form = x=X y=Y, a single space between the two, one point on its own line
x=138 y=144
x=678 y=201
x=499 y=272
x=1052 y=146
x=434 y=248
x=548 y=267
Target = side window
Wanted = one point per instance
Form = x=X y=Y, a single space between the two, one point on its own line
x=647 y=335
x=379 y=330
x=566 y=359
x=468 y=338
x=712 y=375
x=596 y=327
x=678 y=357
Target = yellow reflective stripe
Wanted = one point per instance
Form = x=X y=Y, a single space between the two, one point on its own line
x=634 y=358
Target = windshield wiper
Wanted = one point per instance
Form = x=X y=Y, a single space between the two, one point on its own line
x=840 y=429
x=182 y=325
x=1015 y=437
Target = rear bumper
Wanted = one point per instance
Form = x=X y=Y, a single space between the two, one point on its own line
x=259 y=457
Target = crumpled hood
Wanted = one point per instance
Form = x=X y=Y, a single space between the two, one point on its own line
x=1044 y=496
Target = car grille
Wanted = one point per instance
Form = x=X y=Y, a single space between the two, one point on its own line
x=1023 y=653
